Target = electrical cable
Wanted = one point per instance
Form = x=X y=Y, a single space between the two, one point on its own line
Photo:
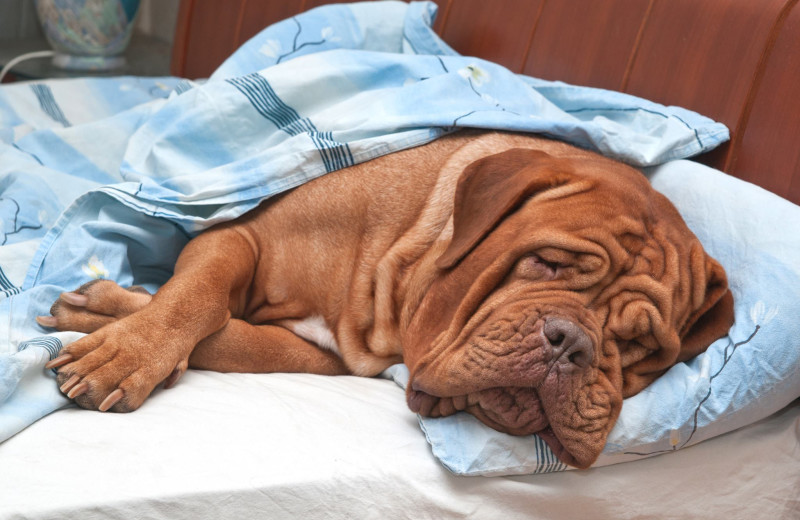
x=23 y=57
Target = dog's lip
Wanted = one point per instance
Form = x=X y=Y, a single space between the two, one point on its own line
x=429 y=405
x=421 y=402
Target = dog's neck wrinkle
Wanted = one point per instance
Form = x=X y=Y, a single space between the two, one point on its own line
x=407 y=269
x=246 y=296
x=400 y=268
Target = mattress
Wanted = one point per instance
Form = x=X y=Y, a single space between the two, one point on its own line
x=221 y=446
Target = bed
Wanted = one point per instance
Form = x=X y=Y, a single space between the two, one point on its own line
x=716 y=437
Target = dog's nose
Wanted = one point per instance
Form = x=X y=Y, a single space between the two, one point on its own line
x=571 y=345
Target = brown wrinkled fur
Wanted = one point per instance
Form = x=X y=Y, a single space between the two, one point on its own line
x=452 y=257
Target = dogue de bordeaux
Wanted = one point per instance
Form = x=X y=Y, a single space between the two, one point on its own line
x=523 y=280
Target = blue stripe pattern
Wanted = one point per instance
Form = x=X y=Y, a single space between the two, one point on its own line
x=262 y=96
x=50 y=343
x=48 y=103
x=183 y=86
x=6 y=287
x=546 y=461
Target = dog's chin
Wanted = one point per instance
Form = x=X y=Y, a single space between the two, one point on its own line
x=512 y=410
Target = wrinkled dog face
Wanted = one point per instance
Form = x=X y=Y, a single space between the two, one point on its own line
x=568 y=285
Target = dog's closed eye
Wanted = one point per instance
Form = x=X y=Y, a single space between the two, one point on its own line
x=534 y=267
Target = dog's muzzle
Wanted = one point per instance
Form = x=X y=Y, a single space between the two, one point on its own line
x=537 y=376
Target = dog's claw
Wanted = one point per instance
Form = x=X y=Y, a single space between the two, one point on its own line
x=112 y=399
x=78 y=389
x=72 y=298
x=60 y=361
x=67 y=386
x=47 y=321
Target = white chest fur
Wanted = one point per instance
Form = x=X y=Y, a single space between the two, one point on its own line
x=315 y=330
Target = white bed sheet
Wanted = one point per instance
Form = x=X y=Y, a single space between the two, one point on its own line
x=236 y=446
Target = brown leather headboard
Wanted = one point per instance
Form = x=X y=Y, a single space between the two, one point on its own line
x=737 y=61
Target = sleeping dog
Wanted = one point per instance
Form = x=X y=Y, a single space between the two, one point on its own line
x=522 y=280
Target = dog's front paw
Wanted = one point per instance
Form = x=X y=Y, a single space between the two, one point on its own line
x=117 y=367
x=94 y=305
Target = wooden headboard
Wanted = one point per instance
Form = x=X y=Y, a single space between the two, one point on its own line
x=737 y=61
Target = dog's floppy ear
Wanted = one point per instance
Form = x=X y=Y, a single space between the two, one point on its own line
x=713 y=317
x=491 y=187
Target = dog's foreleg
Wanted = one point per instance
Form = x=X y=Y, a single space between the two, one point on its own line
x=239 y=346
x=119 y=365
x=243 y=347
